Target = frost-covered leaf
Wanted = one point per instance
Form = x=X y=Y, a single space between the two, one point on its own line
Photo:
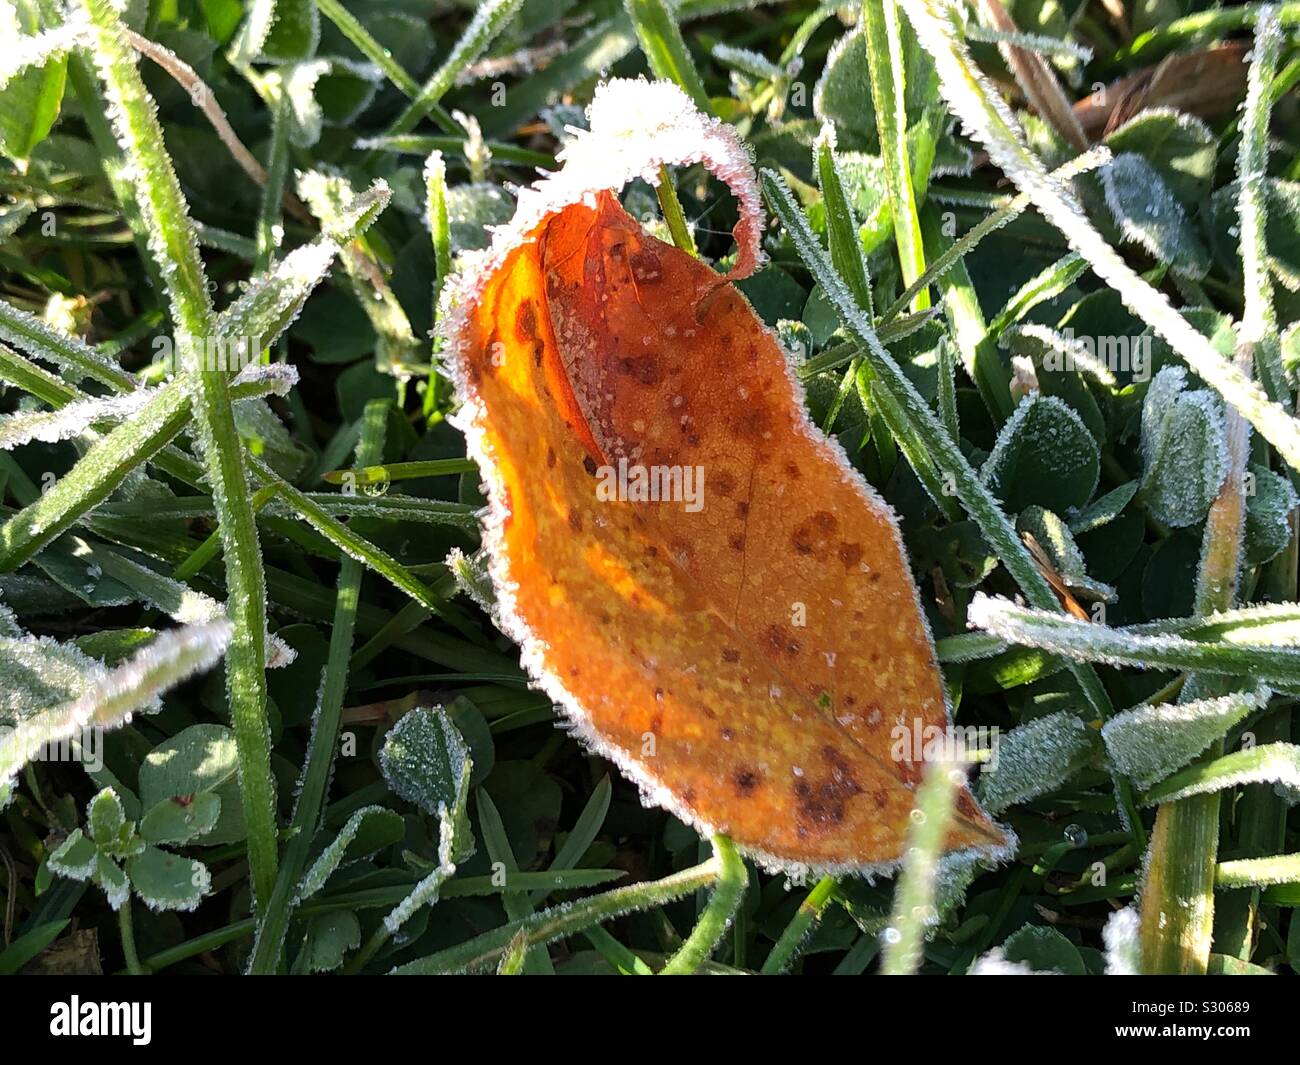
x=110 y=877
x=198 y=759
x=75 y=857
x=32 y=92
x=40 y=674
x=637 y=365
x=278 y=31
x=472 y=578
x=1149 y=214
x=1147 y=647
x=68 y=562
x=39 y=708
x=842 y=95
x=995 y=963
x=1184 y=449
x=178 y=601
x=1147 y=743
x=1035 y=758
x=1044 y=950
x=425 y=760
x=299 y=83
x=1045 y=455
x=1268 y=511
x=328 y=939
x=1281 y=229
x=181 y=818
x=1178 y=146
x=166 y=881
x=77 y=417
x=1266 y=623
x=272 y=303
x=1055 y=537
x=105 y=819
x=368 y=830
x=1272 y=763
x=333 y=201
x=1103 y=510
x=25 y=51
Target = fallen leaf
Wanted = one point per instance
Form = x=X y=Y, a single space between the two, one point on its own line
x=1207 y=83
x=746 y=661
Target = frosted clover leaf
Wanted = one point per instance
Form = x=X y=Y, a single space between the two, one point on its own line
x=1268 y=516
x=110 y=853
x=1044 y=454
x=1184 y=449
x=426 y=761
x=1148 y=214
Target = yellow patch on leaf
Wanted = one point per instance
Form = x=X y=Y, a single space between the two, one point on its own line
x=745 y=649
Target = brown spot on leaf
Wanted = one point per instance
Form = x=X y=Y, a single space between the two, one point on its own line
x=780 y=640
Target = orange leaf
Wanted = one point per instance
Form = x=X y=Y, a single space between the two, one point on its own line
x=746 y=654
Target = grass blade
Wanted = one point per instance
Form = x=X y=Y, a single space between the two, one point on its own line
x=489 y=20
x=664 y=49
x=990 y=121
x=885 y=62
x=165 y=216
x=1083 y=641
x=484 y=951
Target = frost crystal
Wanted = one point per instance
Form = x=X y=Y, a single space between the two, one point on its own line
x=1121 y=938
x=994 y=963
x=23 y=52
x=49 y=427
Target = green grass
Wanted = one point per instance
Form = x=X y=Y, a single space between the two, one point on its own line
x=931 y=274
